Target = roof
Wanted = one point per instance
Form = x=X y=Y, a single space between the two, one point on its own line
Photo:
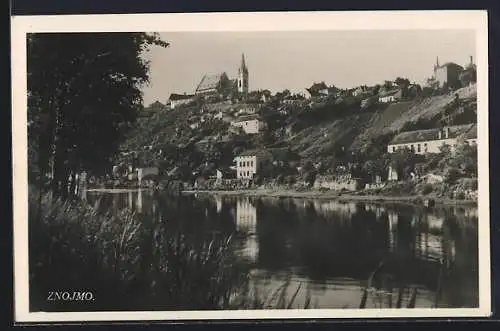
x=274 y=153
x=256 y=152
x=389 y=93
x=174 y=96
x=247 y=118
x=450 y=64
x=210 y=82
x=467 y=131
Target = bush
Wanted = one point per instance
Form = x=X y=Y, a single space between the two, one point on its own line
x=427 y=189
x=468 y=183
x=451 y=175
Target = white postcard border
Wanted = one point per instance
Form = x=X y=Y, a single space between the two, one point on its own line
x=266 y=21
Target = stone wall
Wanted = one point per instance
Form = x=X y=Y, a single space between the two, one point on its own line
x=337 y=183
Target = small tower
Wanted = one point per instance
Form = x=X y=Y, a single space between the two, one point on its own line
x=437 y=63
x=243 y=77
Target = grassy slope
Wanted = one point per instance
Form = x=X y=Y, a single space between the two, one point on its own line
x=357 y=130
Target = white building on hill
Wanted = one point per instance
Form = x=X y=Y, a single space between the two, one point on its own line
x=250 y=162
x=251 y=124
x=390 y=96
x=430 y=141
x=176 y=100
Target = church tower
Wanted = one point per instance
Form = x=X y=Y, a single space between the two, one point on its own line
x=243 y=77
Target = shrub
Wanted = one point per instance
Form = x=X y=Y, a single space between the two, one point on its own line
x=451 y=175
x=427 y=189
x=468 y=183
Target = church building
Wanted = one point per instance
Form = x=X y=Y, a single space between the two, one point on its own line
x=221 y=85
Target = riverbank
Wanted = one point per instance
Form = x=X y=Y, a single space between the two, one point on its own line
x=331 y=195
x=116 y=190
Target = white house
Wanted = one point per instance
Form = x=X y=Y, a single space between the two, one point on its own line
x=390 y=96
x=250 y=124
x=250 y=162
x=430 y=141
x=176 y=100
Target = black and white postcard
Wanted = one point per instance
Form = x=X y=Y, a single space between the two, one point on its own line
x=293 y=165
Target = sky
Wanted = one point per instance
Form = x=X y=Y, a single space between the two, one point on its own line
x=294 y=60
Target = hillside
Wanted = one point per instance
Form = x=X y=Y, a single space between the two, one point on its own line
x=315 y=133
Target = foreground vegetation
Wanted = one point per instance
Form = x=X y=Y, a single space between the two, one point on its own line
x=131 y=262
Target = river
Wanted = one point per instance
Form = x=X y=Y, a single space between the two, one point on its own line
x=335 y=252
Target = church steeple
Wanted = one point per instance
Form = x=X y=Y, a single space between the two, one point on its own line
x=243 y=66
x=243 y=76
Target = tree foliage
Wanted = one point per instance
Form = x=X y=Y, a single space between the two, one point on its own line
x=84 y=92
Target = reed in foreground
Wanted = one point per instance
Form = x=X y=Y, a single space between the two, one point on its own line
x=127 y=261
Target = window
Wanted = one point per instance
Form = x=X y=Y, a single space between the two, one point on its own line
x=425 y=147
x=412 y=148
x=418 y=148
x=393 y=148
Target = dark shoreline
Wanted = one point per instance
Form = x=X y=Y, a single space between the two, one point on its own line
x=413 y=199
x=329 y=195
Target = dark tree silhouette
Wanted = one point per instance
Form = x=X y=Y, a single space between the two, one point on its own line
x=83 y=94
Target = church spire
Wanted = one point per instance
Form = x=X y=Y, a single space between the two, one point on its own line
x=243 y=66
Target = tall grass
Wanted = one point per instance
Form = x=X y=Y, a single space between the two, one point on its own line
x=134 y=262
x=128 y=262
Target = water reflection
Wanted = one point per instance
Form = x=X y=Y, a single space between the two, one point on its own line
x=344 y=254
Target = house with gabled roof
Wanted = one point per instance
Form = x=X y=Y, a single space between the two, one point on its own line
x=175 y=100
x=250 y=124
x=249 y=162
x=213 y=84
x=431 y=140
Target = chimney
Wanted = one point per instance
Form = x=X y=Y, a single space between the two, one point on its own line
x=471 y=60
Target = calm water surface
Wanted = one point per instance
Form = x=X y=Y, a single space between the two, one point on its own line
x=331 y=249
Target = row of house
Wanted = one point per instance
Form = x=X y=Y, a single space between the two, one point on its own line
x=250 y=162
x=431 y=140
